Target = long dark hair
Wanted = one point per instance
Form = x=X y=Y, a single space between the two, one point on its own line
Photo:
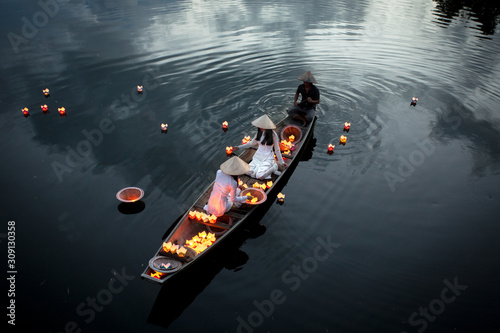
x=268 y=136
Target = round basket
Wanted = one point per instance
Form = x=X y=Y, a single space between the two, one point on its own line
x=291 y=130
x=255 y=192
x=130 y=194
x=156 y=264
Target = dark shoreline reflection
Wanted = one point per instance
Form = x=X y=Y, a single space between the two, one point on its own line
x=487 y=12
x=129 y=208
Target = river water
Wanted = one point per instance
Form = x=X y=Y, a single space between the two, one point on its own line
x=395 y=232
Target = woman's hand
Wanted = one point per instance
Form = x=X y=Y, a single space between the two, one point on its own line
x=282 y=166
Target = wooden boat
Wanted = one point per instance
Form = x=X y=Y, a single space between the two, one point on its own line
x=195 y=235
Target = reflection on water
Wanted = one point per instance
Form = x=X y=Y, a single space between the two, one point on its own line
x=412 y=196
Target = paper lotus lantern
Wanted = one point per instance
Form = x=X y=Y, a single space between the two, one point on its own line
x=166 y=246
x=224 y=125
x=347 y=126
x=269 y=184
x=246 y=139
x=164 y=127
x=192 y=214
x=44 y=108
x=330 y=148
x=291 y=138
x=46 y=92
x=281 y=197
x=212 y=218
x=181 y=252
x=229 y=150
x=62 y=111
x=139 y=89
x=155 y=274
x=343 y=139
x=25 y=112
x=413 y=101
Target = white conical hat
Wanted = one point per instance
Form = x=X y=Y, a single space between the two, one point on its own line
x=235 y=166
x=264 y=122
x=307 y=77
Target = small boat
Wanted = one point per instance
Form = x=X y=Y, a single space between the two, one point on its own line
x=196 y=233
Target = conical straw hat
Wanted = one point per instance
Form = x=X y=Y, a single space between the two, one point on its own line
x=307 y=77
x=264 y=122
x=235 y=166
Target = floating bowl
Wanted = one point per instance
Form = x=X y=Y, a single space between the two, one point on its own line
x=130 y=194
x=256 y=192
x=291 y=130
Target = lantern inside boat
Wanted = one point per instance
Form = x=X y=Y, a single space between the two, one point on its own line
x=46 y=92
x=229 y=150
x=62 y=111
x=347 y=126
x=269 y=184
x=343 y=139
x=246 y=139
x=45 y=108
x=291 y=133
x=25 y=112
x=224 y=125
x=164 y=127
x=166 y=246
x=139 y=89
x=291 y=138
x=155 y=274
x=192 y=214
x=413 y=101
x=181 y=252
x=212 y=218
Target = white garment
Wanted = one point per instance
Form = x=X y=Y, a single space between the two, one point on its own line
x=224 y=190
x=263 y=163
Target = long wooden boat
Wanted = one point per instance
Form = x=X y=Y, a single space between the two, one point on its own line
x=195 y=235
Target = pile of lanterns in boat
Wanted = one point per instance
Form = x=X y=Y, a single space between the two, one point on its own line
x=201 y=216
x=174 y=248
x=201 y=241
x=251 y=198
x=263 y=186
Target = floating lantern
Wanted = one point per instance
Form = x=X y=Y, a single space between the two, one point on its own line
x=347 y=126
x=139 y=89
x=343 y=139
x=192 y=214
x=212 y=219
x=281 y=198
x=62 y=111
x=25 y=112
x=229 y=151
x=269 y=184
x=46 y=92
x=45 y=108
x=414 y=101
x=224 y=126
x=246 y=139
x=330 y=147
x=164 y=127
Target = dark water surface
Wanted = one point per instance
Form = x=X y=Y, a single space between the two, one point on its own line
x=396 y=231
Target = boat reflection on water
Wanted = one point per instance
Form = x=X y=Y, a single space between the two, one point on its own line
x=185 y=287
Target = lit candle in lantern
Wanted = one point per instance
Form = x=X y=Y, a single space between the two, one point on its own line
x=155 y=274
x=269 y=184
x=347 y=126
x=198 y=215
x=224 y=125
x=281 y=197
x=139 y=89
x=291 y=138
x=203 y=234
x=192 y=214
x=229 y=150
x=45 y=108
x=343 y=139
x=167 y=246
x=330 y=148
x=25 y=112
x=246 y=139
x=46 y=92
x=212 y=219
x=164 y=127
x=414 y=101
x=62 y=111
x=181 y=252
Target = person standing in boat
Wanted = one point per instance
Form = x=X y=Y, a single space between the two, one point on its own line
x=305 y=111
x=225 y=191
x=267 y=142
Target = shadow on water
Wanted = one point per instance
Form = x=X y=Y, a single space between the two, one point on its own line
x=486 y=11
x=129 y=208
x=185 y=287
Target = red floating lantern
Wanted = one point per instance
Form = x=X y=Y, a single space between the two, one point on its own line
x=62 y=111
x=45 y=108
x=139 y=89
x=224 y=125
x=229 y=150
x=246 y=139
x=347 y=126
x=330 y=148
x=25 y=112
